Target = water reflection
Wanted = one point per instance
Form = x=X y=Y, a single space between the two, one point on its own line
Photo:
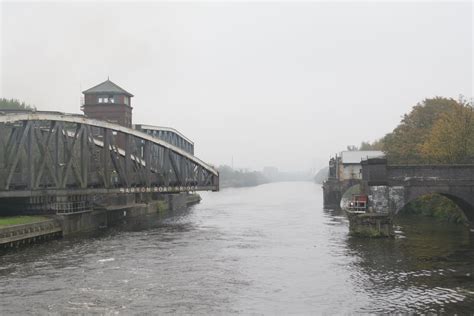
x=426 y=268
x=270 y=249
x=335 y=216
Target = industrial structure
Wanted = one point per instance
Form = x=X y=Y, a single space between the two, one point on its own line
x=169 y=135
x=57 y=162
x=108 y=102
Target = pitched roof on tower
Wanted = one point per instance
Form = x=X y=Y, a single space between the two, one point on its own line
x=107 y=87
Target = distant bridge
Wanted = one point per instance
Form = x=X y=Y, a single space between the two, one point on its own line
x=391 y=187
x=53 y=154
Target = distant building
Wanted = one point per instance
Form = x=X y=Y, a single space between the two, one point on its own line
x=108 y=102
x=169 y=135
x=347 y=165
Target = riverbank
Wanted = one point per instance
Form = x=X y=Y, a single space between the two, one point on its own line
x=21 y=230
x=230 y=178
x=17 y=235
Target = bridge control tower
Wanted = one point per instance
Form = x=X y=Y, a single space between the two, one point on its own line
x=108 y=102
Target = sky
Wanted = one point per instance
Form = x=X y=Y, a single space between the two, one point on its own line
x=284 y=84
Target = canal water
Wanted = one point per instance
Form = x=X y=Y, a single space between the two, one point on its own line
x=270 y=249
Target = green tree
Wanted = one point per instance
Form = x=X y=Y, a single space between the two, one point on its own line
x=376 y=145
x=451 y=139
x=14 y=104
x=239 y=178
x=436 y=130
x=405 y=143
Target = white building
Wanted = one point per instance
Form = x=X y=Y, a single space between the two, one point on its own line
x=349 y=163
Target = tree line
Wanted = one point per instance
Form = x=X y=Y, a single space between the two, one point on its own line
x=437 y=130
x=14 y=104
x=229 y=177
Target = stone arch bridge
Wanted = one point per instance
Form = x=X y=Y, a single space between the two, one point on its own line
x=391 y=187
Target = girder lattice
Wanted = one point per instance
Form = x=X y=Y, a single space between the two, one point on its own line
x=57 y=154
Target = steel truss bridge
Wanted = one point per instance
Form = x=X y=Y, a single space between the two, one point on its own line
x=49 y=154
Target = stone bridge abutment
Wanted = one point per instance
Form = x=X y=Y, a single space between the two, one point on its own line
x=391 y=187
x=333 y=191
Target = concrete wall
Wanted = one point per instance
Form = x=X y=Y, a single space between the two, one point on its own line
x=370 y=225
x=71 y=224
x=85 y=221
x=93 y=220
x=15 y=235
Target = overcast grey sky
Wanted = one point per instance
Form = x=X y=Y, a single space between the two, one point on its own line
x=271 y=84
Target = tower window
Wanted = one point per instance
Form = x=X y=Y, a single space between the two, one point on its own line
x=108 y=99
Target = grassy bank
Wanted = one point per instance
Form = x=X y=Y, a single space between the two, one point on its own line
x=19 y=220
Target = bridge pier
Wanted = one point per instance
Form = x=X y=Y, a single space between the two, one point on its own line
x=385 y=199
x=371 y=225
x=383 y=203
x=333 y=191
x=332 y=194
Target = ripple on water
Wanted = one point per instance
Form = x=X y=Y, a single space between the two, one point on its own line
x=265 y=250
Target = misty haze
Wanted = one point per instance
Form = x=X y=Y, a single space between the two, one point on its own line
x=236 y=157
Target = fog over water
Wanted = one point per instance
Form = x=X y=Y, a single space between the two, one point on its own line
x=265 y=84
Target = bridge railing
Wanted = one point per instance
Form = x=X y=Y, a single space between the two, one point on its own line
x=378 y=172
x=431 y=172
